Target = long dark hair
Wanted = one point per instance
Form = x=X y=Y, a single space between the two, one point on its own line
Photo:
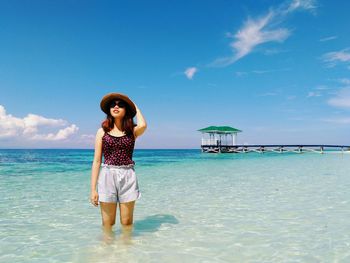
x=127 y=123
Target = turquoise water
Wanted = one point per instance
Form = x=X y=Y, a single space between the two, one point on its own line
x=195 y=207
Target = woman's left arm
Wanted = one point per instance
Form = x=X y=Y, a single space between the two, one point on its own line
x=141 y=123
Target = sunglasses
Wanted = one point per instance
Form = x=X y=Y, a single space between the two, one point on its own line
x=121 y=104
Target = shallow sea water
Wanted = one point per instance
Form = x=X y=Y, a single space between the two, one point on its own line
x=195 y=207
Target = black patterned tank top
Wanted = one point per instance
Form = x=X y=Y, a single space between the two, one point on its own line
x=117 y=150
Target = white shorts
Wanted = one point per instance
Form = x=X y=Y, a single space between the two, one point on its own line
x=117 y=184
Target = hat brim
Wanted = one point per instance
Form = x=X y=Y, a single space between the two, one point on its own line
x=107 y=99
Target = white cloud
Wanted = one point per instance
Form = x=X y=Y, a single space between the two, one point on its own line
x=28 y=126
x=328 y=38
x=301 y=4
x=256 y=31
x=314 y=94
x=189 y=72
x=9 y=125
x=253 y=33
x=319 y=91
x=335 y=57
x=273 y=51
x=260 y=71
x=32 y=122
x=60 y=135
x=342 y=98
x=88 y=136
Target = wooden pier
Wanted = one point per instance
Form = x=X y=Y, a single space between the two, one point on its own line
x=219 y=142
x=278 y=148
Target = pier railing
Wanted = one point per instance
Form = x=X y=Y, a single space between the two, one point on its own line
x=296 y=148
x=210 y=141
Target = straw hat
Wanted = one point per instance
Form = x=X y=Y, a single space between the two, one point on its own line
x=107 y=99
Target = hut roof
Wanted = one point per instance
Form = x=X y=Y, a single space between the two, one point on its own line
x=219 y=129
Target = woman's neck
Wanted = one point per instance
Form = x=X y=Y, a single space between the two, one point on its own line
x=118 y=124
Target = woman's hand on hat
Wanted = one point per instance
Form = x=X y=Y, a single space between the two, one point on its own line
x=137 y=109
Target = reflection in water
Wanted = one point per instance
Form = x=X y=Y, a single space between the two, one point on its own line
x=153 y=223
x=146 y=225
x=126 y=233
x=119 y=245
x=108 y=234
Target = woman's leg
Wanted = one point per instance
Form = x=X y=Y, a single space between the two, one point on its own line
x=126 y=220
x=108 y=212
x=126 y=213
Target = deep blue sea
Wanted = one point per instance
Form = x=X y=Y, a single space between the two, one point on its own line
x=195 y=207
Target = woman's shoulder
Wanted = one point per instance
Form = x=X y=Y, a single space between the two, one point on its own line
x=100 y=132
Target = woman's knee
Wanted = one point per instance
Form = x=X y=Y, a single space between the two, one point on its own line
x=108 y=222
x=126 y=221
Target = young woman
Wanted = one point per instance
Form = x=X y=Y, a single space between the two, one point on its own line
x=117 y=181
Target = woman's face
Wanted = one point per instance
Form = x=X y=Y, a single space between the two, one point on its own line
x=117 y=109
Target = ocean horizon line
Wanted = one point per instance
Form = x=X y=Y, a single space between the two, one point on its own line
x=93 y=149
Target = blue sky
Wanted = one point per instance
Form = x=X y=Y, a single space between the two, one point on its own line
x=278 y=70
